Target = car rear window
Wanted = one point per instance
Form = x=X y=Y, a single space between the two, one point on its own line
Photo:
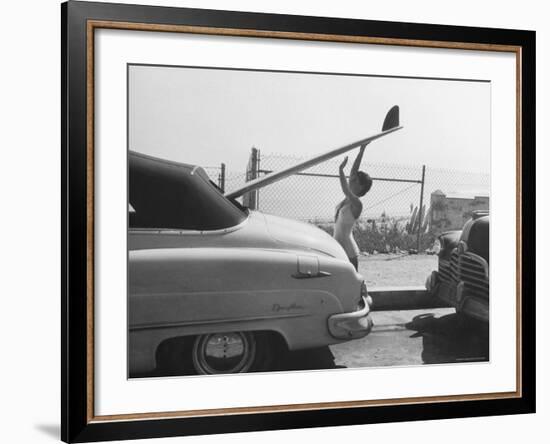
x=167 y=195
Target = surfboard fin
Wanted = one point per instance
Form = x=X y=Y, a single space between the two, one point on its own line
x=392 y=119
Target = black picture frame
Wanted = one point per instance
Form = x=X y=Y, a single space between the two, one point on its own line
x=77 y=425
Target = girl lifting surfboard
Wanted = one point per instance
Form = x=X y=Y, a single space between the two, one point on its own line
x=349 y=210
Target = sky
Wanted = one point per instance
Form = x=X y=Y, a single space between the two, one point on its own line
x=208 y=116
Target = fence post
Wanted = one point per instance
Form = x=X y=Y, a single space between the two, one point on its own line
x=221 y=178
x=257 y=192
x=420 y=221
x=250 y=199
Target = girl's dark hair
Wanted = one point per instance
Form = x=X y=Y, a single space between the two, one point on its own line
x=365 y=182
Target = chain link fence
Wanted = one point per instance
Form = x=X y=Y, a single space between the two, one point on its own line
x=313 y=194
x=225 y=179
x=406 y=208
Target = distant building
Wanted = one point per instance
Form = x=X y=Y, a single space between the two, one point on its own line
x=450 y=212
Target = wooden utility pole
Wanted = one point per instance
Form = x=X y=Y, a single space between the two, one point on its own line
x=250 y=198
x=221 y=179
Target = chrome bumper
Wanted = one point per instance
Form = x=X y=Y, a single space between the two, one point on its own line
x=475 y=308
x=456 y=296
x=354 y=325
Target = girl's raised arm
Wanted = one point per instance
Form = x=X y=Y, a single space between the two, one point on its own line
x=358 y=160
x=356 y=205
x=345 y=186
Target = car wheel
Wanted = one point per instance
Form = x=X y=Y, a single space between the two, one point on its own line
x=230 y=352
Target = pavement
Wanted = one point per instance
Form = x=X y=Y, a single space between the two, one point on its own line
x=398 y=338
x=403 y=337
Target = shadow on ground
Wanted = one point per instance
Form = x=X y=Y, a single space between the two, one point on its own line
x=311 y=359
x=451 y=338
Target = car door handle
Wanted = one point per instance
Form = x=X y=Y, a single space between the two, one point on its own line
x=310 y=275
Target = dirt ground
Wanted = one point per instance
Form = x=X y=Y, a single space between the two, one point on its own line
x=390 y=270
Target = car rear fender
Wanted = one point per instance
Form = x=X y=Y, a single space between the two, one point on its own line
x=181 y=292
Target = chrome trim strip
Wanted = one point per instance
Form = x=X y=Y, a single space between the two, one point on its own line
x=214 y=321
x=175 y=232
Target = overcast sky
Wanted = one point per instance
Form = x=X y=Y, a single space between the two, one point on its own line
x=208 y=116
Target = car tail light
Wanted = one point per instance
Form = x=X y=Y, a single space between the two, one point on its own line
x=365 y=294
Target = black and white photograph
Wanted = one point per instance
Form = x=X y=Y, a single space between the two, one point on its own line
x=292 y=221
x=232 y=221
x=305 y=221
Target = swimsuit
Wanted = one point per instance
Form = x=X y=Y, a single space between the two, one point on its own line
x=343 y=231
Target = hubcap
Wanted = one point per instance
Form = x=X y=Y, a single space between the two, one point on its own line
x=224 y=353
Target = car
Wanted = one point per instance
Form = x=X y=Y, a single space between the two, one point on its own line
x=462 y=278
x=217 y=288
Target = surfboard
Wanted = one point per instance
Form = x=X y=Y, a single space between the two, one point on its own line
x=390 y=125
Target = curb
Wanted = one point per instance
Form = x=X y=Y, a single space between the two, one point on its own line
x=403 y=298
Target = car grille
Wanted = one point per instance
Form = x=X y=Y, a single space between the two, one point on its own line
x=468 y=268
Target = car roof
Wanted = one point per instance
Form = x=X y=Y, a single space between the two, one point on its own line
x=159 y=162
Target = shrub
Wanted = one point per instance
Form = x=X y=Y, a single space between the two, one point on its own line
x=390 y=237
